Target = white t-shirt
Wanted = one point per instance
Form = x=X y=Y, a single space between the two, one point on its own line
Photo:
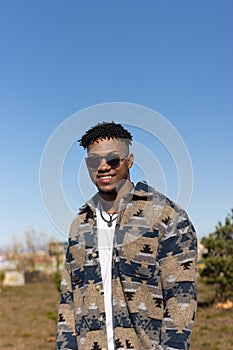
x=105 y=248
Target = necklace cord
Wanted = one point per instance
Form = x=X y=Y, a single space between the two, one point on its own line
x=110 y=221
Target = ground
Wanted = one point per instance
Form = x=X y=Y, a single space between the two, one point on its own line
x=28 y=316
x=213 y=328
x=28 y=319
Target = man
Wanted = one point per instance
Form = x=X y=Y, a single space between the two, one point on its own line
x=129 y=276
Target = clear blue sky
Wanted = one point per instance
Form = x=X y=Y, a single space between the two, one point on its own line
x=58 y=57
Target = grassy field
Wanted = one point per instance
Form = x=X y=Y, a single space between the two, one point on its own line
x=28 y=316
x=28 y=319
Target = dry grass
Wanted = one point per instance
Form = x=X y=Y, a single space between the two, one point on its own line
x=28 y=319
x=213 y=328
x=28 y=316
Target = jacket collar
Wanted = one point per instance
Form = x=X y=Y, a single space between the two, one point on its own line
x=141 y=189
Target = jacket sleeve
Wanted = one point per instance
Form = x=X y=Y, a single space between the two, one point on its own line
x=177 y=259
x=66 y=338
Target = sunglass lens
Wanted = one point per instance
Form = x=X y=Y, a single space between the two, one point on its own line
x=93 y=162
x=113 y=162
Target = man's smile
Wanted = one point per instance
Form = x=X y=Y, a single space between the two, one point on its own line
x=105 y=178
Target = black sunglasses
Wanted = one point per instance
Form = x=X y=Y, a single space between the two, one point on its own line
x=112 y=159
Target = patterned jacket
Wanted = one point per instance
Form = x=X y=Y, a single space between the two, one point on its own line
x=153 y=277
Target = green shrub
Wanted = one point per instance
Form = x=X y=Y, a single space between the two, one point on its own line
x=2 y=276
x=57 y=279
x=218 y=269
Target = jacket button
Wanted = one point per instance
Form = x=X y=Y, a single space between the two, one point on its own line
x=94 y=255
x=100 y=318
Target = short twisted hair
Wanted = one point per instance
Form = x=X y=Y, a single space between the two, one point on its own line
x=103 y=131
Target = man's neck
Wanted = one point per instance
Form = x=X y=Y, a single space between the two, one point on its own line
x=111 y=201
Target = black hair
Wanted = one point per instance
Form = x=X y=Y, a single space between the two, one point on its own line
x=105 y=130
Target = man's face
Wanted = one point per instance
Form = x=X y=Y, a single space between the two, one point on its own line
x=109 y=178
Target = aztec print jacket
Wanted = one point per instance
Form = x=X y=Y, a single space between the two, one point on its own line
x=153 y=277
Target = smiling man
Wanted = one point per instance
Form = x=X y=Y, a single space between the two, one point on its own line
x=129 y=280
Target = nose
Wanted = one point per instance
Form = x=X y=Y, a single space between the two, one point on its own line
x=103 y=165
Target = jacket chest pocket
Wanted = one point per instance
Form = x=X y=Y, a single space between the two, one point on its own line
x=84 y=265
x=138 y=258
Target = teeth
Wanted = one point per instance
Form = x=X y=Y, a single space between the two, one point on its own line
x=106 y=177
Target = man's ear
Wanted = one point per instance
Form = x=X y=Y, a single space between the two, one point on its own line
x=130 y=160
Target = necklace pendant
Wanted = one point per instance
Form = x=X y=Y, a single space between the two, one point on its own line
x=110 y=224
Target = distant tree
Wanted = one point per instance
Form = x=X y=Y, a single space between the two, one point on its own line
x=26 y=250
x=31 y=247
x=218 y=268
x=15 y=251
